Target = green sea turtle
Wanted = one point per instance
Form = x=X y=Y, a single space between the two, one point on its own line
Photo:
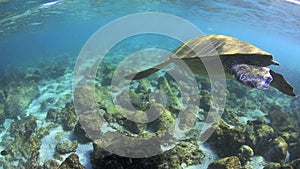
x=242 y=61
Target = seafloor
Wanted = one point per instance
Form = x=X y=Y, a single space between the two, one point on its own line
x=40 y=129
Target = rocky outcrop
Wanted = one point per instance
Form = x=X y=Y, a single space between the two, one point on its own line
x=66 y=146
x=232 y=162
x=72 y=162
x=183 y=154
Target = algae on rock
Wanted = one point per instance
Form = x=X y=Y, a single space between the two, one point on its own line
x=231 y=162
x=277 y=151
x=66 y=146
x=18 y=99
x=182 y=155
x=71 y=162
x=227 y=141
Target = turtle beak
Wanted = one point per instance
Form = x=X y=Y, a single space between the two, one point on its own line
x=275 y=62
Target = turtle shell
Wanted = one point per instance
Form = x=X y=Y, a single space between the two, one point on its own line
x=228 y=49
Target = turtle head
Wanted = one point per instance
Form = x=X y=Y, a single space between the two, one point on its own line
x=252 y=76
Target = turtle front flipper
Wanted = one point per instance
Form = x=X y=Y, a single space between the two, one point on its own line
x=251 y=75
x=147 y=72
x=281 y=84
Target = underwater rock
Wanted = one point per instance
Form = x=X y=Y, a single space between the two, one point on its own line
x=4 y=153
x=187 y=119
x=257 y=121
x=56 y=72
x=80 y=134
x=54 y=116
x=163 y=123
x=136 y=99
x=273 y=165
x=231 y=117
x=35 y=76
x=70 y=117
x=156 y=132
x=290 y=137
x=277 y=151
x=244 y=153
x=232 y=162
x=100 y=158
x=282 y=121
x=134 y=127
x=22 y=143
x=204 y=82
x=66 y=146
x=286 y=126
x=107 y=79
x=2 y=113
x=226 y=140
x=182 y=155
x=258 y=136
x=122 y=119
x=71 y=162
x=2 y=96
x=130 y=98
x=82 y=95
x=205 y=100
x=294 y=149
x=105 y=73
x=295 y=164
x=24 y=127
x=50 y=164
x=18 y=99
x=67 y=116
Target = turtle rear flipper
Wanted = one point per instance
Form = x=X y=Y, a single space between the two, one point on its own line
x=281 y=84
x=147 y=72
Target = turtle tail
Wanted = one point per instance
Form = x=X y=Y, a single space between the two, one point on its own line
x=147 y=72
x=281 y=84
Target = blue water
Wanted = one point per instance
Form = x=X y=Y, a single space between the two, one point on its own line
x=66 y=25
x=35 y=31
